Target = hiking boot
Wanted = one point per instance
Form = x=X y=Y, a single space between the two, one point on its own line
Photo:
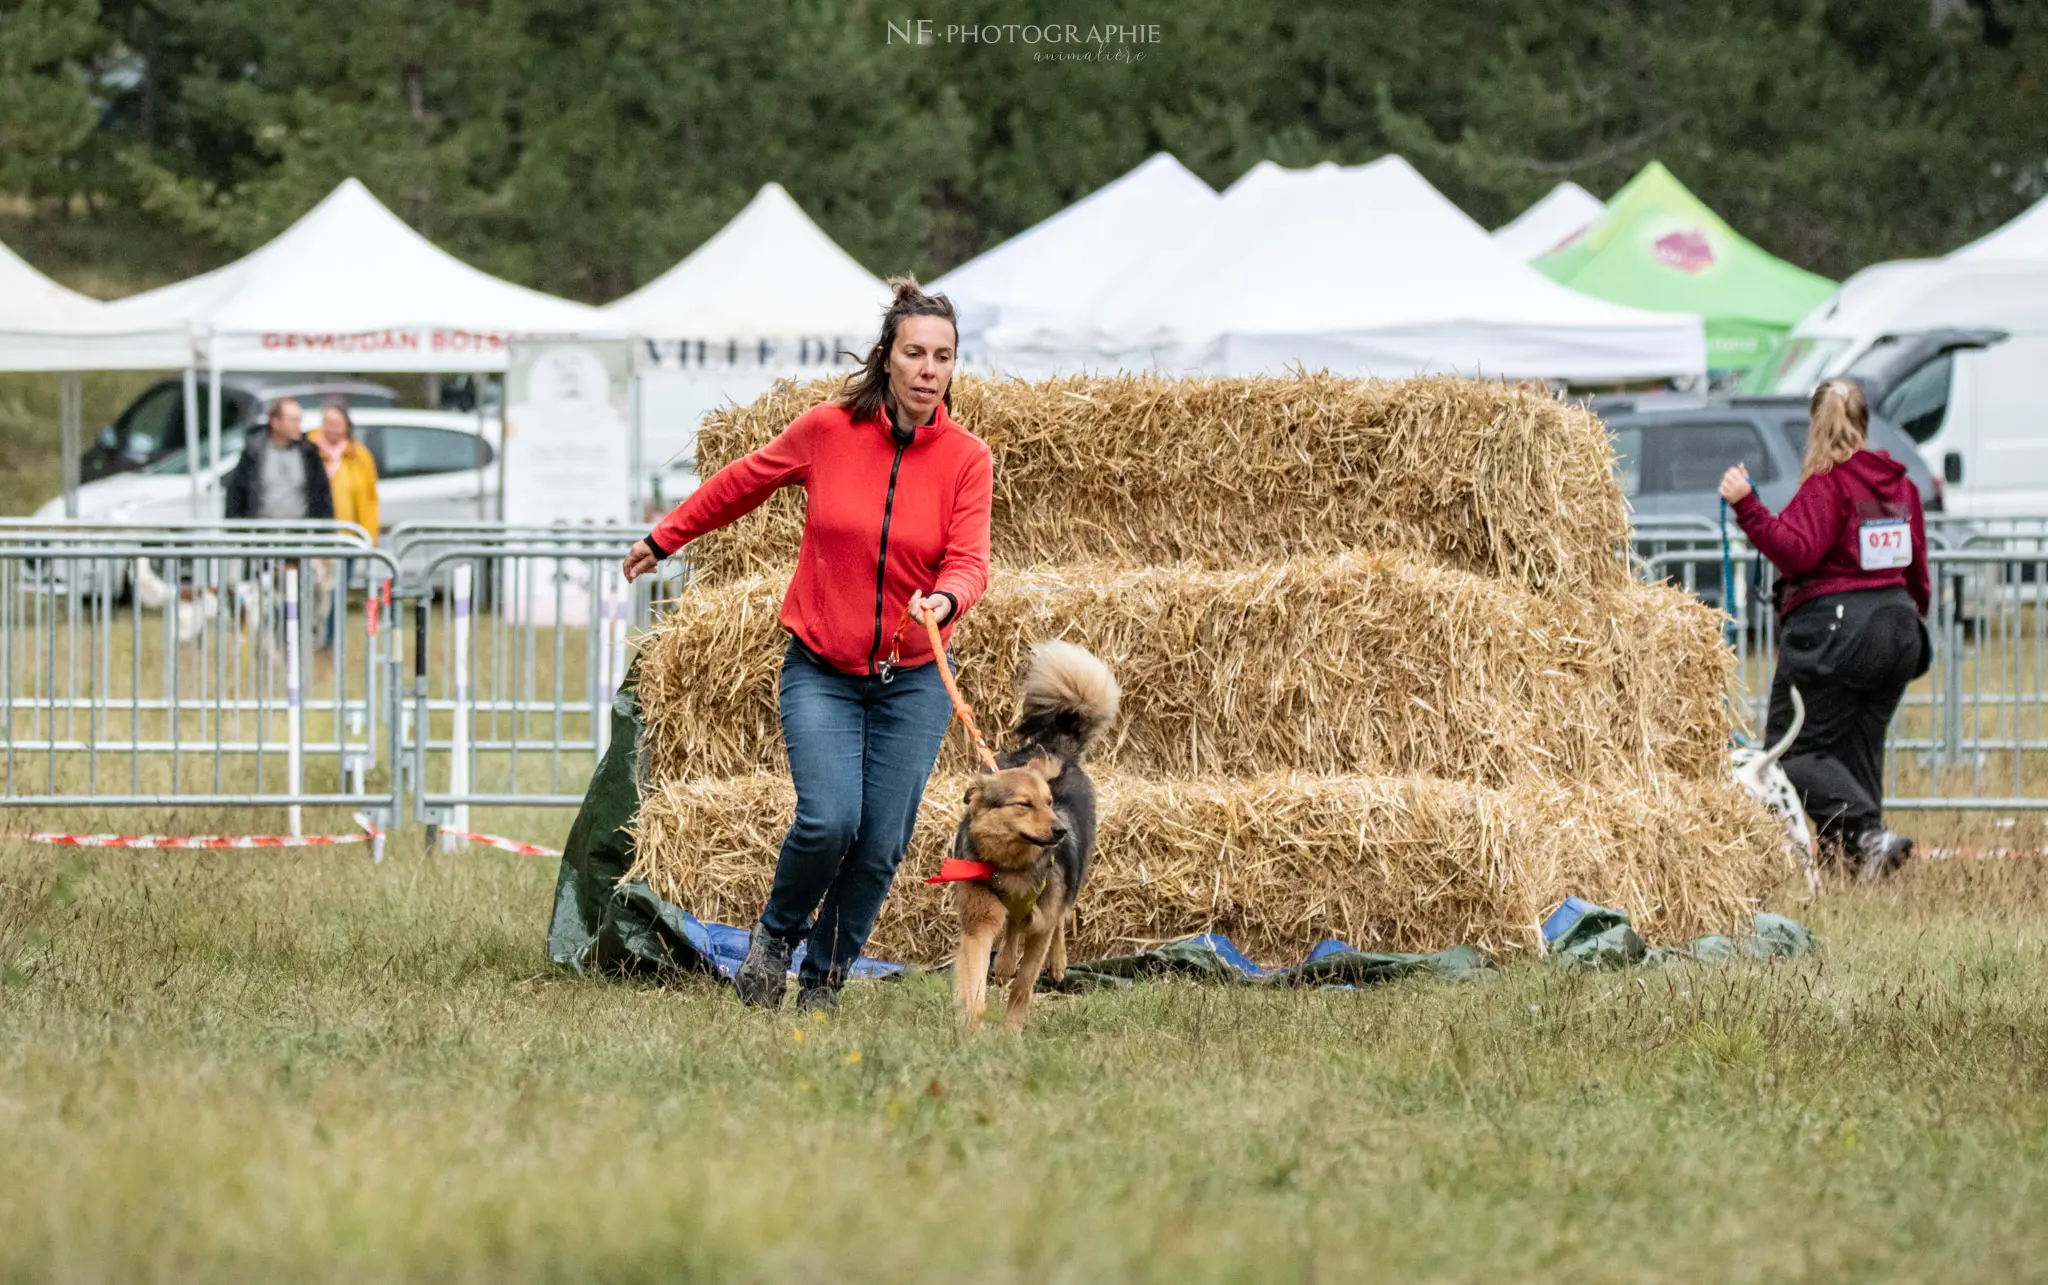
x=818 y=997
x=764 y=973
x=1880 y=852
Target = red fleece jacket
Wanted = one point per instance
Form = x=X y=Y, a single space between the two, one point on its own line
x=882 y=522
x=1814 y=543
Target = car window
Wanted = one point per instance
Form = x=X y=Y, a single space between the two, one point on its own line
x=1795 y=435
x=1692 y=457
x=230 y=446
x=1920 y=402
x=414 y=450
x=1796 y=365
x=1628 y=460
x=1883 y=437
x=156 y=419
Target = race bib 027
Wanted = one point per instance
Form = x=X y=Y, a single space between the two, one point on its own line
x=1885 y=543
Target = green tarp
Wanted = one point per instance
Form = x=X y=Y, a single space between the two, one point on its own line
x=1658 y=246
x=599 y=922
x=1602 y=938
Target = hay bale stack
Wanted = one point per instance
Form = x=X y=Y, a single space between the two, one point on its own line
x=1385 y=675
x=1142 y=470
x=1279 y=862
x=1364 y=663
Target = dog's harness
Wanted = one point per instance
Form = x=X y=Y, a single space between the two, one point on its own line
x=1018 y=906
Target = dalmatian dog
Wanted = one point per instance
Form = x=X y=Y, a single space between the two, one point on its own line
x=194 y=608
x=1757 y=772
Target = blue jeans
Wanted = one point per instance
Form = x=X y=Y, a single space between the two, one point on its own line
x=860 y=751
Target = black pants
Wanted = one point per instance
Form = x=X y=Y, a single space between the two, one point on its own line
x=1852 y=658
x=1851 y=655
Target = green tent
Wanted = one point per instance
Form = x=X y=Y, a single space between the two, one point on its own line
x=1658 y=246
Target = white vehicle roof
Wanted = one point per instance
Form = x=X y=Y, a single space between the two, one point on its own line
x=490 y=426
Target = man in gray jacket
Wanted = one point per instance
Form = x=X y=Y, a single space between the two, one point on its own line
x=280 y=474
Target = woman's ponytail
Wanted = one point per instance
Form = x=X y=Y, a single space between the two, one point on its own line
x=1838 y=426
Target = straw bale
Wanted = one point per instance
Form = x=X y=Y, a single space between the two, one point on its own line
x=1363 y=663
x=1139 y=469
x=1278 y=863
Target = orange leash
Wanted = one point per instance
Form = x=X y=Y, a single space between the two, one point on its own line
x=961 y=709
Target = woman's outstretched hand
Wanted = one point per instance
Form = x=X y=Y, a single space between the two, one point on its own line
x=1735 y=484
x=639 y=561
x=941 y=606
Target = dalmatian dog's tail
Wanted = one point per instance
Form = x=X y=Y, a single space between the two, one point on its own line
x=1758 y=773
x=1769 y=758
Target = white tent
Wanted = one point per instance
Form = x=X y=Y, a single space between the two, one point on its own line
x=1562 y=214
x=1036 y=277
x=350 y=286
x=770 y=296
x=770 y=274
x=1364 y=271
x=2026 y=237
x=44 y=326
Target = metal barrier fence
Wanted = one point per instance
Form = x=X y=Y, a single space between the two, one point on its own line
x=520 y=639
x=475 y=664
x=215 y=663
x=179 y=666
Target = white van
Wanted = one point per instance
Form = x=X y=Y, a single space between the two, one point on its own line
x=1953 y=352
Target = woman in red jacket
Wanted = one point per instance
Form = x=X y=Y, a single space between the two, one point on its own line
x=1851 y=548
x=897 y=513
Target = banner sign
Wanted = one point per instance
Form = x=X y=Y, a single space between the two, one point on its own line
x=567 y=459
x=804 y=355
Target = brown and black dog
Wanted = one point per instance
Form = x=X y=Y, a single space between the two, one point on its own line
x=1033 y=823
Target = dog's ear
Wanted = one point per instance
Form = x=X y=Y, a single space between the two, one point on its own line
x=1046 y=768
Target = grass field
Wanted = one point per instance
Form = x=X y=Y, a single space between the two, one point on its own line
x=236 y=1065
x=246 y=1064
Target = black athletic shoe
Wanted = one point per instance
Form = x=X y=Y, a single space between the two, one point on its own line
x=817 y=997
x=1880 y=852
x=764 y=974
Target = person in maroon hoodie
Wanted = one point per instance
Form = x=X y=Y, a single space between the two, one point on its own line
x=897 y=512
x=1851 y=551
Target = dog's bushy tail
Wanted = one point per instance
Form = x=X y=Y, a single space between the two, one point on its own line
x=1068 y=699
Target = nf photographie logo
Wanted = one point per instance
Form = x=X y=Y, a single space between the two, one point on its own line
x=1046 y=41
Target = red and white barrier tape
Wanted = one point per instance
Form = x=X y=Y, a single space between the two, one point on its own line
x=153 y=841
x=1979 y=854
x=370 y=834
x=500 y=841
x=488 y=840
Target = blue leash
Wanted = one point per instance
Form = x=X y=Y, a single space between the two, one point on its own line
x=1728 y=615
x=1727 y=582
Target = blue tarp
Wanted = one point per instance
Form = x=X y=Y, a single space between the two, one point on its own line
x=721 y=947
